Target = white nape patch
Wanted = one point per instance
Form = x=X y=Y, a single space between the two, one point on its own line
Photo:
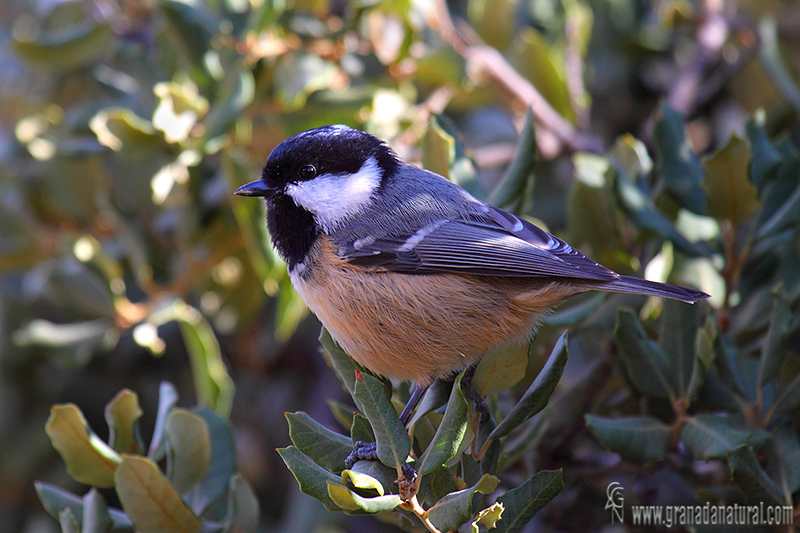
x=415 y=239
x=333 y=198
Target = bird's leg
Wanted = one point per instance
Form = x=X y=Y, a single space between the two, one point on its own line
x=472 y=394
x=368 y=451
x=416 y=396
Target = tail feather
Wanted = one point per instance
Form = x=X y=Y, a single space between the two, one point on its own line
x=629 y=284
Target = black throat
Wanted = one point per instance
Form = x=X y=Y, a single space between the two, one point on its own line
x=292 y=228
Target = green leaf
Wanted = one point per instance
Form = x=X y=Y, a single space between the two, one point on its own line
x=767 y=159
x=456 y=508
x=495 y=21
x=704 y=355
x=369 y=475
x=676 y=336
x=347 y=499
x=783 y=459
x=89 y=460
x=212 y=382
x=544 y=66
x=325 y=447
x=361 y=430
x=538 y=394
x=680 y=169
x=167 y=398
x=449 y=434
x=189 y=444
x=55 y=500
x=391 y=436
x=710 y=436
x=243 y=509
x=81 y=44
x=501 y=369
x=647 y=366
x=641 y=209
x=223 y=462
x=152 y=504
x=523 y=502
x=514 y=188
x=754 y=482
x=312 y=478
x=96 y=518
x=68 y=522
x=437 y=148
x=639 y=438
x=777 y=192
x=488 y=517
x=772 y=351
x=122 y=414
x=789 y=397
x=343 y=364
x=730 y=194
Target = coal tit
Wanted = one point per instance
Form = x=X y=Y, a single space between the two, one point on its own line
x=414 y=277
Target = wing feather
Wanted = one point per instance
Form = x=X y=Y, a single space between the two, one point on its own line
x=489 y=242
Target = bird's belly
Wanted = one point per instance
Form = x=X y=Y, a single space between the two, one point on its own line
x=413 y=327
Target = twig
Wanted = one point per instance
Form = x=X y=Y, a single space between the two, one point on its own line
x=414 y=506
x=492 y=63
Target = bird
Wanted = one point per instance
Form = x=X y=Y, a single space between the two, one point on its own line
x=413 y=276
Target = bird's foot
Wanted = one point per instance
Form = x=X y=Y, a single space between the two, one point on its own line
x=362 y=451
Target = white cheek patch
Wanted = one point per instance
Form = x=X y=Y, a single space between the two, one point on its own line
x=332 y=199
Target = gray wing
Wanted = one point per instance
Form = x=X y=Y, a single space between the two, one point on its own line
x=490 y=242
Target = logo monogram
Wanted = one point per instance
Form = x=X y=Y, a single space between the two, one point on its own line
x=615 y=502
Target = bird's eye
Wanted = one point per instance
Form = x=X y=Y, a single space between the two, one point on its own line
x=308 y=172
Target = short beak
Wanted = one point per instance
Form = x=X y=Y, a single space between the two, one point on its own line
x=256 y=188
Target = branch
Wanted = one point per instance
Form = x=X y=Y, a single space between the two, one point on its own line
x=492 y=63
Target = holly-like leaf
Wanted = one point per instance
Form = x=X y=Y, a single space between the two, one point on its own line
x=645 y=362
x=754 y=482
x=514 y=188
x=327 y=448
x=152 y=504
x=640 y=438
x=772 y=352
x=730 y=194
x=538 y=394
x=523 y=502
x=391 y=437
x=708 y=436
x=243 y=513
x=681 y=171
x=55 y=500
x=501 y=369
x=312 y=478
x=122 y=413
x=450 y=433
x=456 y=508
x=89 y=460
x=347 y=499
x=189 y=443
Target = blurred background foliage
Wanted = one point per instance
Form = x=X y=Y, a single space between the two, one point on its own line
x=666 y=144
